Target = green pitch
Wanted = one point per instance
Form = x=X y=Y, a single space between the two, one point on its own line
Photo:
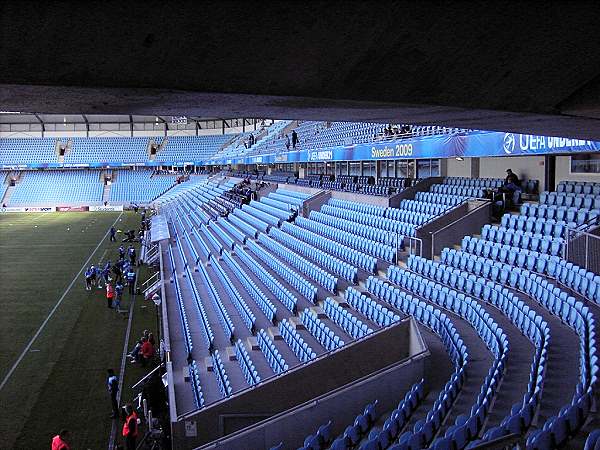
x=60 y=380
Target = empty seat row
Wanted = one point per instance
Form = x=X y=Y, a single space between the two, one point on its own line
x=211 y=239
x=457 y=190
x=411 y=216
x=383 y=223
x=218 y=306
x=283 y=206
x=587 y=201
x=466 y=428
x=221 y=375
x=256 y=293
x=282 y=215
x=440 y=199
x=196 y=384
x=326 y=260
x=297 y=202
x=235 y=297
x=248 y=229
x=254 y=221
x=398 y=419
x=353 y=434
x=496 y=251
x=189 y=344
x=547 y=227
x=232 y=229
x=374 y=234
x=246 y=364
x=322 y=333
x=440 y=324
x=225 y=237
x=272 y=355
x=291 y=336
x=525 y=319
x=204 y=248
x=262 y=216
x=287 y=298
x=295 y=194
x=360 y=243
x=345 y=319
x=523 y=239
x=369 y=308
x=431 y=209
x=572 y=214
x=364 y=208
x=578 y=187
x=354 y=257
x=474 y=182
x=306 y=267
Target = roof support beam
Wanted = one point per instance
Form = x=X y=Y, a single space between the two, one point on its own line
x=41 y=123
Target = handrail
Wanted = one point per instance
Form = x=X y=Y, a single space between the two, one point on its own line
x=147 y=282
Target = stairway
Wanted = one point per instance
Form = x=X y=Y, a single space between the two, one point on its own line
x=7 y=195
x=106 y=193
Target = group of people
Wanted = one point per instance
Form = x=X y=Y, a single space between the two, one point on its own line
x=248 y=143
x=114 y=276
x=144 y=350
x=294 y=141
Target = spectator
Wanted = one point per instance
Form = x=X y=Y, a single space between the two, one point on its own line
x=295 y=140
x=131 y=280
x=512 y=186
x=147 y=352
x=118 y=295
x=113 y=231
x=88 y=280
x=130 y=428
x=131 y=253
x=287 y=142
x=113 y=388
x=61 y=440
x=135 y=353
x=110 y=294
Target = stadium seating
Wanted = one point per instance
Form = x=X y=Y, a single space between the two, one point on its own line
x=139 y=186
x=80 y=187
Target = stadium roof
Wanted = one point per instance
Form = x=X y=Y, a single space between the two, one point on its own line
x=7 y=117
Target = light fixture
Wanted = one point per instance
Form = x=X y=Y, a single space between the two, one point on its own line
x=460 y=158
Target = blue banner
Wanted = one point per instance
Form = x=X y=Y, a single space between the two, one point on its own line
x=473 y=144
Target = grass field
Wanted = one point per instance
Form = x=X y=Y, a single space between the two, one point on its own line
x=60 y=380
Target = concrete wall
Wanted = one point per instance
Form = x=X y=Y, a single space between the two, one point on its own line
x=526 y=167
x=563 y=172
x=454 y=168
x=330 y=371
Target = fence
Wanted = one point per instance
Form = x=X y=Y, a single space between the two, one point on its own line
x=583 y=249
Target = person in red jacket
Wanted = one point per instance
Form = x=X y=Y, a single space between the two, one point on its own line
x=130 y=428
x=147 y=351
x=110 y=293
x=60 y=441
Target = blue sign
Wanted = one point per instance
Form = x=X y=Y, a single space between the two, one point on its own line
x=474 y=144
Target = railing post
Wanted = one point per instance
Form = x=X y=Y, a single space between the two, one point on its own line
x=587 y=239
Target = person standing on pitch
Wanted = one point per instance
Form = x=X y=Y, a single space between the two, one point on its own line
x=113 y=232
x=112 y=383
x=121 y=252
x=110 y=294
x=130 y=428
x=131 y=253
x=131 y=280
x=118 y=296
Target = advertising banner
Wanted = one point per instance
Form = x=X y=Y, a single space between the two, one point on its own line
x=72 y=208
x=10 y=209
x=106 y=208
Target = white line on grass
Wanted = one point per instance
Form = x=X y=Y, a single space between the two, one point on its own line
x=113 y=429
x=52 y=311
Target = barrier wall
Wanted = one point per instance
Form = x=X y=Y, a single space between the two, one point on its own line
x=344 y=367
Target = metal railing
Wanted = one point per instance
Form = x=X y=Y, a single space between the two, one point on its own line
x=583 y=249
x=416 y=242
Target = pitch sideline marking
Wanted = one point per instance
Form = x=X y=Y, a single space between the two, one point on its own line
x=113 y=429
x=53 y=310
